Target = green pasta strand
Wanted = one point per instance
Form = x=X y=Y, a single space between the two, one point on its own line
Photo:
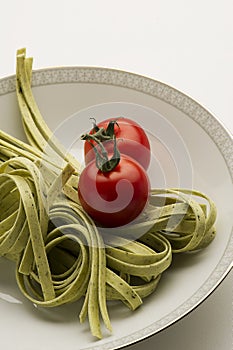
x=66 y=261
x=146 y=258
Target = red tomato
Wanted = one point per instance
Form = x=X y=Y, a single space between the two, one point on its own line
x=132 y=141
x=117 y=197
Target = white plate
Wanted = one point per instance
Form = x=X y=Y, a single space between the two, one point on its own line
x=201 y=153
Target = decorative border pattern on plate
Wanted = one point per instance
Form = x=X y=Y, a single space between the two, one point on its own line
x=190 y=107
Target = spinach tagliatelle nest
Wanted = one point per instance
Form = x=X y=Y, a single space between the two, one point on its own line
x=60 y=254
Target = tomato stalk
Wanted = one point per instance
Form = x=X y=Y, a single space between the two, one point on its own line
x=103 y=134
x=101 y=157
x=134 y=141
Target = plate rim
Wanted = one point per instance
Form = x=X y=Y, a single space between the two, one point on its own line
x=171 y=95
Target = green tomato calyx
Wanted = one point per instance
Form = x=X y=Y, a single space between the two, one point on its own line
x=103 y=163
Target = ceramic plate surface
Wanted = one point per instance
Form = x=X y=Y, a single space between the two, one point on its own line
x=190 y=149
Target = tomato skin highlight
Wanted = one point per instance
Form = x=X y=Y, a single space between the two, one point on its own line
x=114 y=198
x=132 y=141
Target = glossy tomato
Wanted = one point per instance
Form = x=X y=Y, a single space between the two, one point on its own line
x=132 y=141
x=116 y=197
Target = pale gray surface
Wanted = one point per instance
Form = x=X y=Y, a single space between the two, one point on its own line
x=187 y=44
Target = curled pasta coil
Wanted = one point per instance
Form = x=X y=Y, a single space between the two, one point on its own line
x=60 y=255
x=186 y=218
x=28 y=237
x=191 y=225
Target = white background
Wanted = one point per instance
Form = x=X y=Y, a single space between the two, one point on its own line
x=185 y=43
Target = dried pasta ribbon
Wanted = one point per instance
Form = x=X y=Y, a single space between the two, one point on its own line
x=195 y=228
x=186 y=218
x=37 y=131
x=59 y=254
x=61 y=257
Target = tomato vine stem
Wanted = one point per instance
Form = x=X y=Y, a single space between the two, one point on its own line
x=103 y=163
